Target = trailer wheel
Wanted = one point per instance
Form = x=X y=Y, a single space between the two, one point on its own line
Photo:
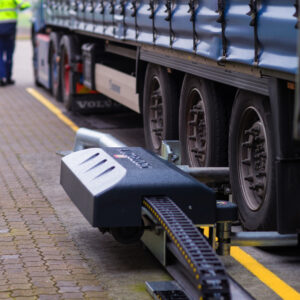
x=203 y=128
x=35 y=58
x=252 y=163
x=160 y=107
x=54 y=66
x=35 y=69
x=69 y=51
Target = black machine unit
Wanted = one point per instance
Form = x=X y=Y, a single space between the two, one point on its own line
x=109 y=184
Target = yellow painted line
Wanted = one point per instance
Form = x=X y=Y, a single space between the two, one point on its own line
x=271 y=280
x=276 y=284
x=52 y=108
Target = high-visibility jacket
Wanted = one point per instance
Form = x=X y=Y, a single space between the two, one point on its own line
x=9 y=10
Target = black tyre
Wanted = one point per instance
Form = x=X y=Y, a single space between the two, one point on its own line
x=203 y=126
x=35 y=68
x=252 y=161
x=127 y=235
x=160 y=107
x=54 y=66
x=69 y=53
x=35 y=57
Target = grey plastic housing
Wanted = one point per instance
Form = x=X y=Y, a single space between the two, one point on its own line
x=109 y=184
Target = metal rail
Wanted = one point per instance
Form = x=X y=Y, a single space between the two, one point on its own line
x=86 y=138
x=263 y=239
x=208 y=174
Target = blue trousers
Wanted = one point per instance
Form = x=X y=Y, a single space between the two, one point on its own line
x=7 y=47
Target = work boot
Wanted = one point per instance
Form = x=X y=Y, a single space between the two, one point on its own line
x=10 y=81
x=2 y=82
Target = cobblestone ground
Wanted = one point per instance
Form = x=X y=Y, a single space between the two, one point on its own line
x=47 y=249
x=38 y=258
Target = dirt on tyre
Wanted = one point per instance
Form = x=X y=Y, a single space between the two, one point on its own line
x=69 y=53
x=160 y=107
x=54 y=66
x=252 y=161
x=203 y=125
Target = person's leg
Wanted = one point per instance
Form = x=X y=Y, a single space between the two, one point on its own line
x=9 y=57
x=2 y=63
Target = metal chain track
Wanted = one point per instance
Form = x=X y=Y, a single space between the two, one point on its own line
x=205 y=265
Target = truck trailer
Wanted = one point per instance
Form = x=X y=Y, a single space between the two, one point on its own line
x=220 y=76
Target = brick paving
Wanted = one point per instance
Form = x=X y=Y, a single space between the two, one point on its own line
x=38 y=259
x=47 y=249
